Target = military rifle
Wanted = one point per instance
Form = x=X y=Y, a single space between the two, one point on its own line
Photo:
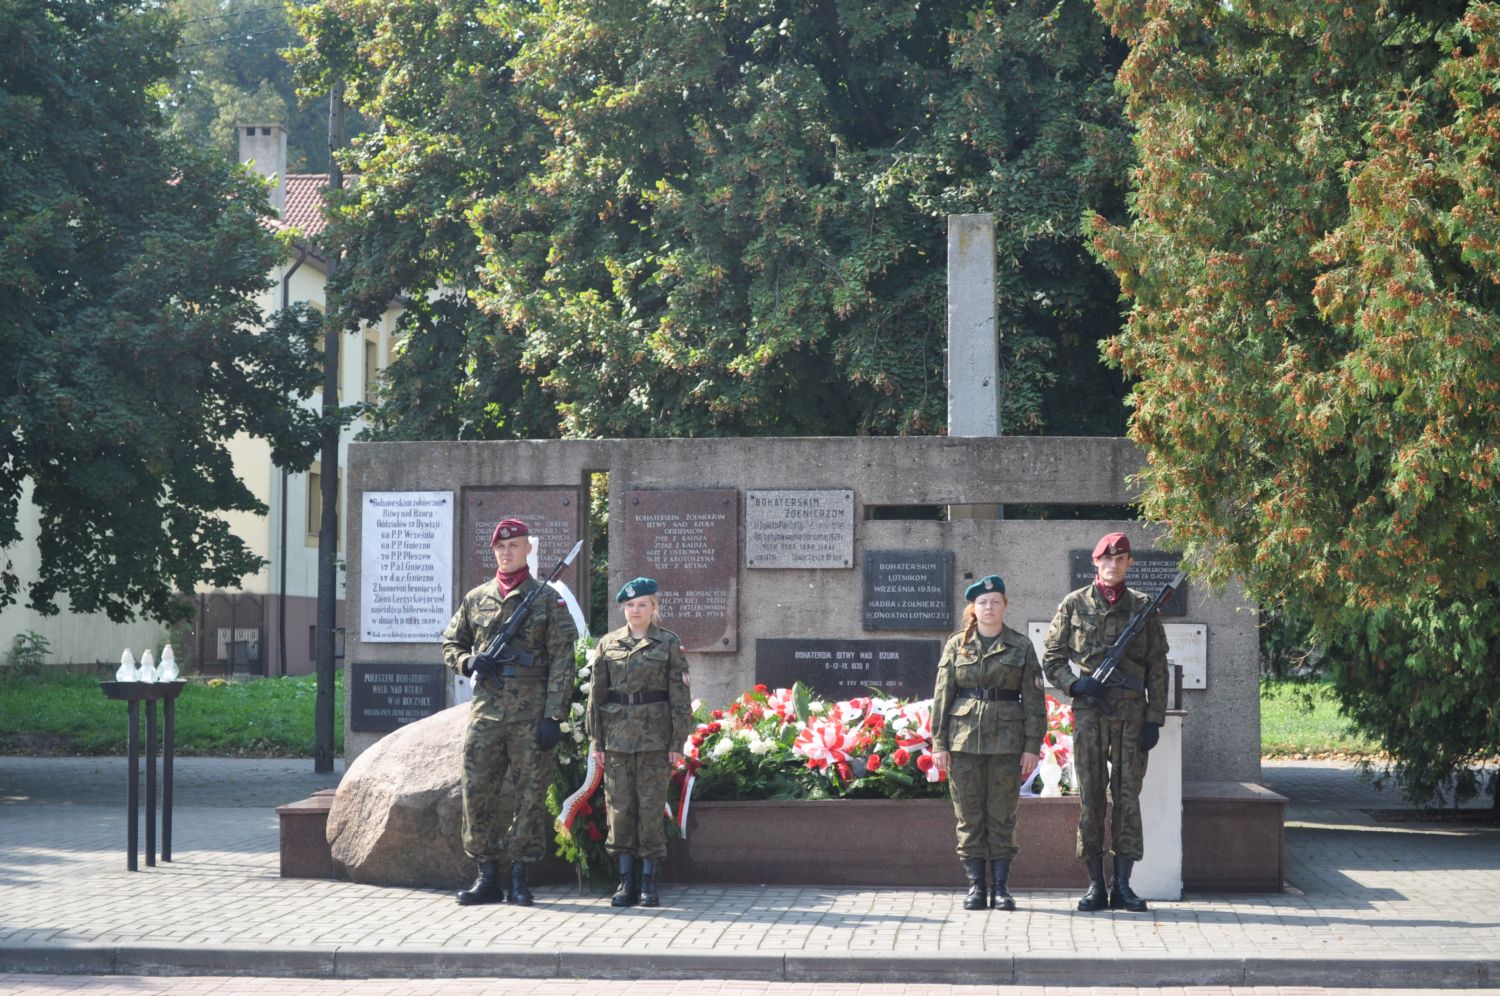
x=1108 y=672
x=507 y=657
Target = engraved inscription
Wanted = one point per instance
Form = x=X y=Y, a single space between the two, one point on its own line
x=799 y=529
x=552 y=515
x=406 y=556
x=908 y=589
x=689 y=542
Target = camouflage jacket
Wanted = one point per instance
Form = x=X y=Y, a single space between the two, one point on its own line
x=548 y=633
x=982 y=726
x=653 y=665
x=1085 y=626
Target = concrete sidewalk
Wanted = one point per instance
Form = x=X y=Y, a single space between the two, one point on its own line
x=1371 y=904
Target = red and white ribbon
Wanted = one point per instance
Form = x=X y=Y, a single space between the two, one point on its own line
x=592 y=776
x=684 y=802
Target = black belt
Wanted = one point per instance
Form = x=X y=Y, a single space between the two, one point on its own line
x=636 y=698
x=991 y=694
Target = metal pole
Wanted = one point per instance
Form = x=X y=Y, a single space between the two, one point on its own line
x=151 y=783
x=328 y=523
x=133 y=787
x=169 y=713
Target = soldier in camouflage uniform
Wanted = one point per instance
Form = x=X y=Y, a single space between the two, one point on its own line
x=1109 y=750
x=639 y=714
x=514 y=718
x=988 y=719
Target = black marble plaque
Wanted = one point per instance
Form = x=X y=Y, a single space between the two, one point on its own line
x=908 y=589
x=1149 y=572
x=554 y=516
x=385 y=697
x=689 y=542
x=845 y=668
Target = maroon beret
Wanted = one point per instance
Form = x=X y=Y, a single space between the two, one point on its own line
x=509 y=528
x=1112 y=544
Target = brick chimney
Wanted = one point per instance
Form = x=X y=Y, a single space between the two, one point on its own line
x=263 y=149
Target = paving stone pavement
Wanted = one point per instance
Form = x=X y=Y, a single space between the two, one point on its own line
x=1370 y=904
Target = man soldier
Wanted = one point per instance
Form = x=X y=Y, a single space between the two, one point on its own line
x=514 y=718
x=1114 y=727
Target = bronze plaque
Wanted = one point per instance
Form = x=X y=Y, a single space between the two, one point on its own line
x=552 y=514
x=689 y=542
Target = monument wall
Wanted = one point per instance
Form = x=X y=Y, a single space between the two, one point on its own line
x=777 y=560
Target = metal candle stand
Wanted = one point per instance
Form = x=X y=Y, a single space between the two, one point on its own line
x=133 y=693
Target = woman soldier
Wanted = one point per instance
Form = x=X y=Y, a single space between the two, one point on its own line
x=639 y=715
x=988 y=719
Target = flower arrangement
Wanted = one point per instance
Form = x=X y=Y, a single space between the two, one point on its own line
x=1055 y=772
x=783 y=743
x=576 y=796
x=788 y=744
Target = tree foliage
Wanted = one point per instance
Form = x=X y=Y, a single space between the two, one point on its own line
x=1314 y=284
x=687 y=218
x=128 y=327
x=231 y=71
x=433 y=75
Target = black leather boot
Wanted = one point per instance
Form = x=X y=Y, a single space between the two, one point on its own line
x=999 y=874
x=648 y=882
x=519 y=893
x=628 y=894
x=1097 y=896
x=1122 y=896
x=977 y=899
x=486 y=888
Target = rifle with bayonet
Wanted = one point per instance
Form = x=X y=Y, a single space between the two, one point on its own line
x=1108 y=672
x=501 y=658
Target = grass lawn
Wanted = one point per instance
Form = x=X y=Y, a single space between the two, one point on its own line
x=60 y=714
x=66 y=714
x=1298 y=719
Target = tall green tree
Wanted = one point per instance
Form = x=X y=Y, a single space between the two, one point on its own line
x=688 y=218
x=231 y=71
x=434 y=76
x=1314 y=293
x=129 y=265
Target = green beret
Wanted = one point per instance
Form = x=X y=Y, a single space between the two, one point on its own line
x=984 y=586
x=635 y=589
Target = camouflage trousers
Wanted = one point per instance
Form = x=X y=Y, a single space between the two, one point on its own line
x=985 y=790
x=504 y=790
x=1111 y=767
x=635 y=793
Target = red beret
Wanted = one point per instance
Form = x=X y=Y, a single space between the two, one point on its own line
x=509 y=528
x=1111 y=544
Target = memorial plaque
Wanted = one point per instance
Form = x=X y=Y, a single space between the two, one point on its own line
x=689 y=542
x=1150 y=570
x=552 y=514
x=406 y=561
x=908 y=589
x=846 y=668
x=799 y=529
x=385 y=697
x=1187 y=647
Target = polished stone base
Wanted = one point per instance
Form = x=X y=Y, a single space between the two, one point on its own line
x=1232 y=842
x=304 y=837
